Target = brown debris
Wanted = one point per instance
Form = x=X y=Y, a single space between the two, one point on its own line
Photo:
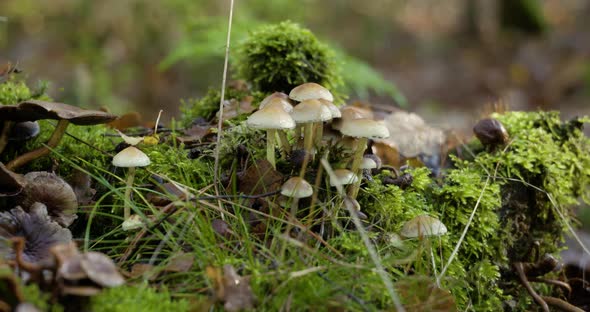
x=420 y=293
x=180 y=262
x=260 y=178
x=231 y=288
x=234 y=108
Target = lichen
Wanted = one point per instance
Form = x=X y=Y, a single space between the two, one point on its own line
x=278 y=57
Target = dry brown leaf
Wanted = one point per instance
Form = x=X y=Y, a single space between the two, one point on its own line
x=132 y=119
x=233 y=108
x=420 y=293
x=180 y=262
x=260 y=178
x=231 y=288
x=195 y=134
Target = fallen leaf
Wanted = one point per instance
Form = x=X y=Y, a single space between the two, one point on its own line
x=260 y=178
x=128 y=120
x=234 y=108
x=231 y=288
x=181 y=262
x=420 y=293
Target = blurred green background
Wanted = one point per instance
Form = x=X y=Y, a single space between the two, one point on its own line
x=450 y=56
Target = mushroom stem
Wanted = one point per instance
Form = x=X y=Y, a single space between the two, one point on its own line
x=270 y=147
x=319 y=133
x=357 y=158
x=297 y=136
x=25 y=158
x=308 y=128
x=4 y=135
x=128 y=188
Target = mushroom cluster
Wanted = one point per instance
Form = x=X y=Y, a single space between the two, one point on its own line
x=84 y=274
x=45 y=206
x=308 y=109
x=18 y=123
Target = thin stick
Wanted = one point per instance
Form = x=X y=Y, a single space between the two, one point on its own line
x=221 y=100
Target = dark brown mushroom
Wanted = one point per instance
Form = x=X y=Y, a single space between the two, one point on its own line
x=491 y=132
x=37 y=229
x=23 y=131
x=11 y=183
x=65 y=114
x=101 y=269
x=52 y=191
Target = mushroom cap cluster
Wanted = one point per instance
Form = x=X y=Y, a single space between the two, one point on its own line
x=36 y=227
x=52 y=191
x=32 y=110
x=84 y=274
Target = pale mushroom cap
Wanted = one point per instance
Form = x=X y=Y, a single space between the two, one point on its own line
x=278 y=102
x=344 y=177
x=364 y=128
x=271 y=117
x=334 y=110
x=296 y=187
x=310 y=91
x=349 y=113
x=310 y=111
x=423 y=225
x=276 y=95
x=368 y=163
x=131 y=157
x=412 y=136
x=353 y=202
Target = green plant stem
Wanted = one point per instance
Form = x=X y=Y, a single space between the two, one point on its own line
x=308 y=144
x=4 y=135
x=308 y=136
x=128 y=189
x=23 y=159
x=319 y=133
x=270 y=146
x=284 y=142
x=357 y=158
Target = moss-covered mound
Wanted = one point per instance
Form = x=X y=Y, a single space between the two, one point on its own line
x=281 y=56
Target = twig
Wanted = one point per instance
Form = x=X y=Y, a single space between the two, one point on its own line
x=560 y=304
x=220 y=122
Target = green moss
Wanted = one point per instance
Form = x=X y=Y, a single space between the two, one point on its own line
x=278 y=57
x=39 y=299
x=207 y=106
x=136 y=298
x=14 y=91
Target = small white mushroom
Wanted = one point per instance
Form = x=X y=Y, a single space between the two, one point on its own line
x=130 y=157
x=423 y=225
x=271 y=119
